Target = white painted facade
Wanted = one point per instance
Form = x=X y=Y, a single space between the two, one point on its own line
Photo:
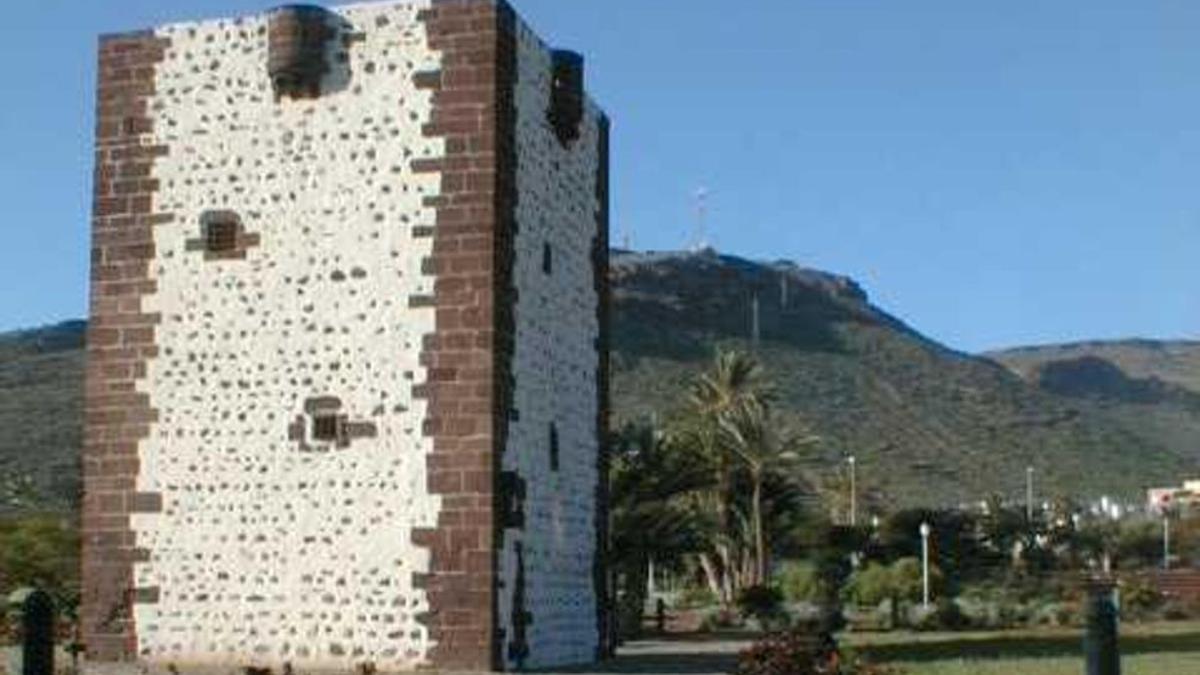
x=555 y=363
x=264 y=551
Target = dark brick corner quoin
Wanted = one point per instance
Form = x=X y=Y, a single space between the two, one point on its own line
x=120 y=341
x=468 y=357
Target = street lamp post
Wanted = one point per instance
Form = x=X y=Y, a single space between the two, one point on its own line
x=1166 y=540
x=853 y=493
x=1029 y=494
x=925 y=565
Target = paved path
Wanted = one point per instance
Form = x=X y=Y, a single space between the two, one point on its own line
x=682 y=656
x=691 y=655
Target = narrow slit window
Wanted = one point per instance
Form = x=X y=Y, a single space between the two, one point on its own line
x=547 y=259
x=512 y=494
x=553 y=447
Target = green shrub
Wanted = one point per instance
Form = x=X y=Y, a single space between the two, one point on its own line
x=872 y=584
x=764 y=604
x=907 y=579
x=922 y=618
x=696 y=596
x=718 y=619
x=1139 y=600
x=1048 y=614
x=869 y=585
x=41 y=551
x=950 y=616
x=800 y=582
x=945 y=614
x=1014 y=614
x=1020 y=601
x=1178 y=609
x=888 y=615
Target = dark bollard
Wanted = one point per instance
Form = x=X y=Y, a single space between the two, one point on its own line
x=1100 y=643
x=34 y=614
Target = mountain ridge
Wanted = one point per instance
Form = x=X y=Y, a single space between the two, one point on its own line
x=1175 y=361
x=958 y=425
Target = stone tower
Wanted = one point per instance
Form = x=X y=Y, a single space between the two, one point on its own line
x=347 y=356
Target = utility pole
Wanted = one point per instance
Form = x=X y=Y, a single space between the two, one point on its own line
x=754 y=319
x=701 y=236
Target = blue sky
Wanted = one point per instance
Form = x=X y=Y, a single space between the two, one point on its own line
x=993 y=173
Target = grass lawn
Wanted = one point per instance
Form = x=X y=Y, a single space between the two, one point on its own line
x=1148 y=649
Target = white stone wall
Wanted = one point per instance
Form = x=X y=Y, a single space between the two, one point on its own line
x=263 y=549
x=555 y=375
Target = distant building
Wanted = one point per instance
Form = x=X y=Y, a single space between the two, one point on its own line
x=1161 y=499
x=347 y=354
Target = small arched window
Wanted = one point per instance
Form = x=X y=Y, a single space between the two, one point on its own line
x=223 y=236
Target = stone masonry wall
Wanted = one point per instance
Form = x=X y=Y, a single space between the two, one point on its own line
x=548 y=607
x=335 y=333
x=262 y=542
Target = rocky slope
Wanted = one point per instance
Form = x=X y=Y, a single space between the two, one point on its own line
x=41 y=416
x=1148 y=385
x=928 y=425
x=1174 y=362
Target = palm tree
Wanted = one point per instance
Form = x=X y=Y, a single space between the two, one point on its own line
x=733 y=382
x=762 y=446
x=652 y=518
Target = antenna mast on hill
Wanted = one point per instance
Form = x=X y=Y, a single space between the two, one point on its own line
x=700 y=236
x=754 y=319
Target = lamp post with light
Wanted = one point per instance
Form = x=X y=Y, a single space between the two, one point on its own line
x=853 y=492
x=1166 y=517
x=925 y=530
x=1029 y=494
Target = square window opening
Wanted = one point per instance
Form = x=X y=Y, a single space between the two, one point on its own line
x=327 y=428
x=221 y=236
